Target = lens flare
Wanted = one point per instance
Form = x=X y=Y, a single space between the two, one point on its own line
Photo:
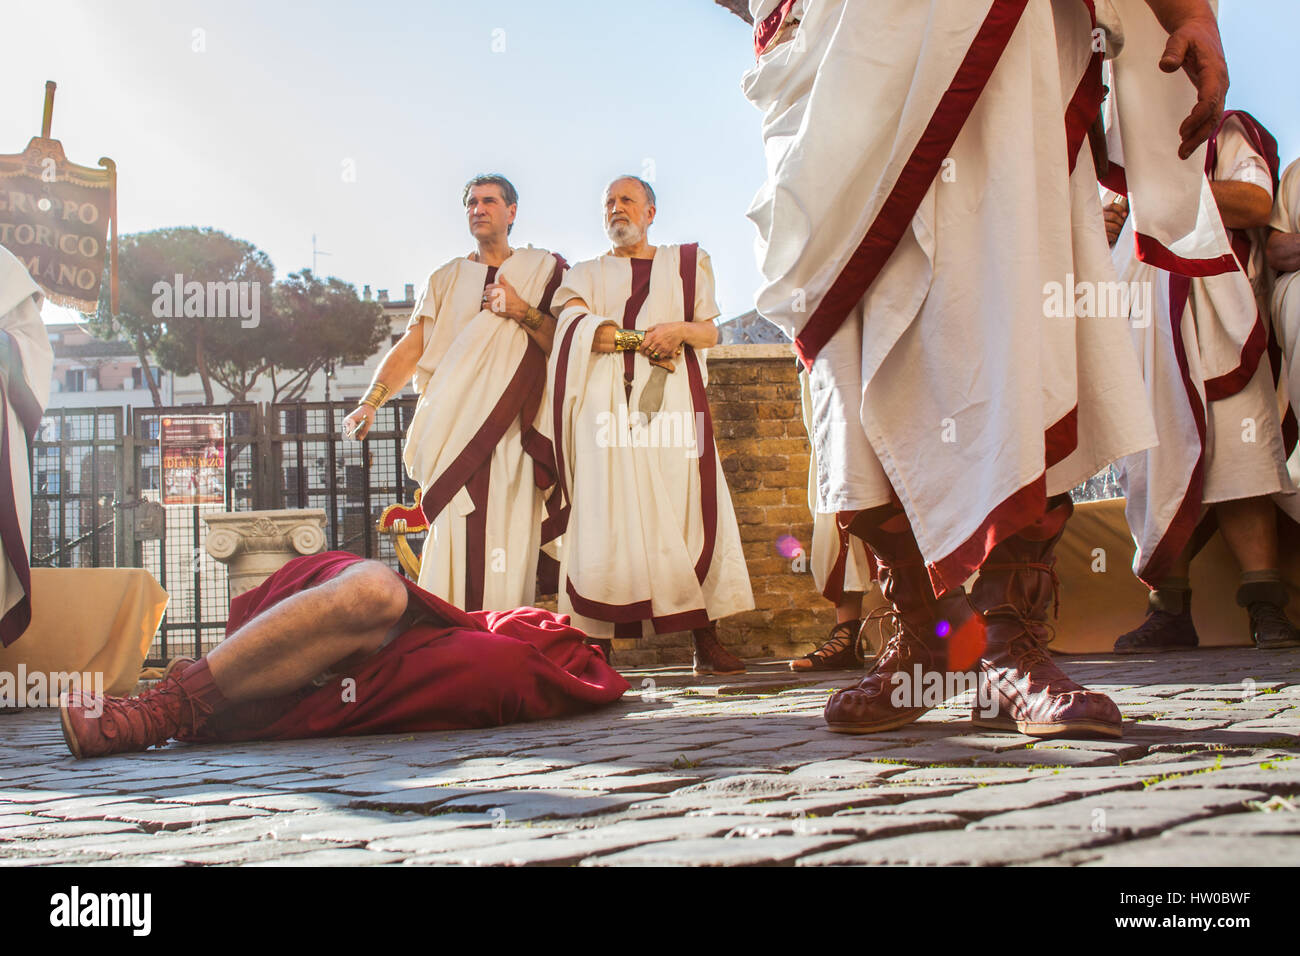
x=942 y=628
x=789 y=546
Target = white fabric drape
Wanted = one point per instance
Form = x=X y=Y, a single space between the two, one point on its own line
x=638 y=526
x=478 y=378
x=24 y=393
x=949 y=381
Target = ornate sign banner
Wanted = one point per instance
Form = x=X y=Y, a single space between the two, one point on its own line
x=56 y=216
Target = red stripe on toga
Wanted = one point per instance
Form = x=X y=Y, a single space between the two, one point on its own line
x=641 y=269
x=708 y=460
x=1151 y=251
x=553 y=286
x=1017 y=511
x=1243 y=247
x=472 y=466
x=914 y=179
x=1085 y=104
x=627 y=618
x=478 y=487
x=1179 y=532
x=558 y=519
x=767 y=28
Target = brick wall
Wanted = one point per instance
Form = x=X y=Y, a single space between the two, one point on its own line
x=754 y=396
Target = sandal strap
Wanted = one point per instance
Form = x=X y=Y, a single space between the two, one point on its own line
x=842 y=635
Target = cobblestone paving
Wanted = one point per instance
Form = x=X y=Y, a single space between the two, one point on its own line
x=689 y=772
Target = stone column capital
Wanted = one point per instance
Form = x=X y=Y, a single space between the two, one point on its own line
x=255 y=544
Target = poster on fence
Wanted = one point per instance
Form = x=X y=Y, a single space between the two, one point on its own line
x=192 y=449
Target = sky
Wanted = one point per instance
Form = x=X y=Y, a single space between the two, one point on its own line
x=359 y=122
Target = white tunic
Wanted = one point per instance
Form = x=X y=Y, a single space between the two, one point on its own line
x=839 y=561
x=478 y=444
x=1211 y=388
x=24 y=393
x=651 y=543
x=928 y=180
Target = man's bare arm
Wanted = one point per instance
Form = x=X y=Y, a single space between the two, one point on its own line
x=395 y=368
x=603 y=341
x=668 y=338
x=399 y=364
x=544 y=334
x=1242 y=205
x=1195 y=47
x=1283 y=251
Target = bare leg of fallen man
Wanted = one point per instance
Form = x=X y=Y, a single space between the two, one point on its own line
x=278 y=652
x=309 y=633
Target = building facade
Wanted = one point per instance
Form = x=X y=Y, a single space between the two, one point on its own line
x=89 y=372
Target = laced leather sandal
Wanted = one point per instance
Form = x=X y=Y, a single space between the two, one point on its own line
x=1026 y=689
x=842 y=650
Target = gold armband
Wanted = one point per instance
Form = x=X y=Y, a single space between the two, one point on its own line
x=628 y=340
x=532 y=319
x=376 y=396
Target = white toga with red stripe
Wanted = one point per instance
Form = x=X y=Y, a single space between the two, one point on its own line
x=478 y=443
x=929 y=183
x=24 y=393
x=1212 y=390
x=650 y=543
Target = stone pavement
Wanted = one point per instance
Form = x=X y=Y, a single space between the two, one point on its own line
x=684 y=771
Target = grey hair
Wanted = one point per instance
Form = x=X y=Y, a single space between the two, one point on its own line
x=649 y=190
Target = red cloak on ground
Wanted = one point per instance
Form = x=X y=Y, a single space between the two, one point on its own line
x=454 y=671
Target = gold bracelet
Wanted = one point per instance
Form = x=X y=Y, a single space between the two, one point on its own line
x=376 y=396
x=532 y=319
x=628 y=340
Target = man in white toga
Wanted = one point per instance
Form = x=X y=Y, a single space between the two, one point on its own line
x=476 y=348
x=651 y=544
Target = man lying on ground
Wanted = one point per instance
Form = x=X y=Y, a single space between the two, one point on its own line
x=333 y=645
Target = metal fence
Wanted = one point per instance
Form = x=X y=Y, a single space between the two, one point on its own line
x=96 y=493
x=352 y=481
x=1101 y=486
x=77 y=476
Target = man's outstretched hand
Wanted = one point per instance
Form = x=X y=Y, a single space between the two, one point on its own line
x=358 y=422
x=1195 y=47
